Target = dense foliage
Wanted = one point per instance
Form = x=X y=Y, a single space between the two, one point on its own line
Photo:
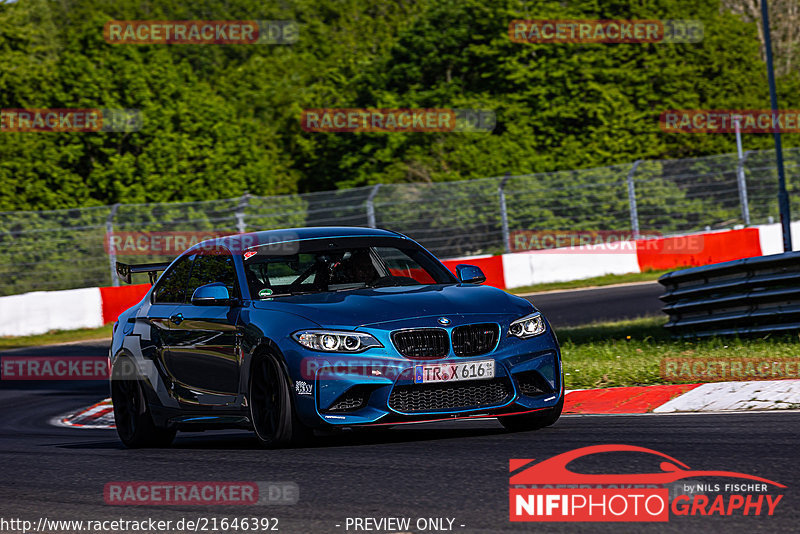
x=224 y=120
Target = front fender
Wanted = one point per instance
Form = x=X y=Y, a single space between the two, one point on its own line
x=270 y=330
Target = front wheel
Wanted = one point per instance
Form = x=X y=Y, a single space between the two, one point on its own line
x=533 y=421
x=274 y=420
x=132 y=416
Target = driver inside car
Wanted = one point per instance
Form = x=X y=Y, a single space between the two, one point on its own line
x=355 y=267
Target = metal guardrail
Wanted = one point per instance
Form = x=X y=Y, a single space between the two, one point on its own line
x=750 y=296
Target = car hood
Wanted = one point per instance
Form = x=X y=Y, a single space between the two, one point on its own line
x=362 y=307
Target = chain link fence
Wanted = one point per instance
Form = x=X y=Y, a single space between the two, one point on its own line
x=65 y=249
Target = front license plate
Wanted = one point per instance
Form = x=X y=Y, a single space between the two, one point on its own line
x=452 y=372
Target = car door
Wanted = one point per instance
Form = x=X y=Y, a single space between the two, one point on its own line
x=204 y=356
x=168 y=295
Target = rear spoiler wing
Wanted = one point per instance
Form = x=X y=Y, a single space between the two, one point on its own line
x=125 y=271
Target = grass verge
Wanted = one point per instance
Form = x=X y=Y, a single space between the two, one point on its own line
x=629 y=353
x=58 y=336
x=605 y=280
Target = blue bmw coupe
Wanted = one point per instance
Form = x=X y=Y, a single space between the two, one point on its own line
x=287 y=331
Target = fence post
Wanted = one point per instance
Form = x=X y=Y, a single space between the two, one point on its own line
x=743 y=188
x=632 y=200
x=501 y=191
x=371 y=206
x=112 y=253
x=241 y=226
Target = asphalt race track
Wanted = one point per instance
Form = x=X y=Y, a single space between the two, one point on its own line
x=614 y=303
x=457 y=470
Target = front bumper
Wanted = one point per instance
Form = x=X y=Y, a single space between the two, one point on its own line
x=377 y=387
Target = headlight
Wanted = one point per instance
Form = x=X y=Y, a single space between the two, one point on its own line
x=332 y=341
x=528 y=326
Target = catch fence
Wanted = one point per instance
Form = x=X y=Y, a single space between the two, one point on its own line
x=64 y=249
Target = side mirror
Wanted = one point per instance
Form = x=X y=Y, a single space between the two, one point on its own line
x=469 y=274
x=215 y=294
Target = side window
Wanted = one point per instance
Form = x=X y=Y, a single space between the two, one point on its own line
x=172 y=286
x=215 y=265
x=279 y=272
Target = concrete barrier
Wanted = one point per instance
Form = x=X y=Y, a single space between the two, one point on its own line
x=42 y=311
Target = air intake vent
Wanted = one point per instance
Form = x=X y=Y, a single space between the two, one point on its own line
x=422 y=343
x=474 y=339
x=413 y=398
x=353 y=399
x=531 y=383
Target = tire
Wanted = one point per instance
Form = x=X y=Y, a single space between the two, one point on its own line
x=533 y=421
x=272 y=412
x=132 y=416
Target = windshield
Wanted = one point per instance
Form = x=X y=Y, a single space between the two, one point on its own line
x=340 y=269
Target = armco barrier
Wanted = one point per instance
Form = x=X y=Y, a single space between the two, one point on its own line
x=749 y=296
x=36 y=313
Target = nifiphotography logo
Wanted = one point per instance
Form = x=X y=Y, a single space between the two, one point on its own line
x=550 y=491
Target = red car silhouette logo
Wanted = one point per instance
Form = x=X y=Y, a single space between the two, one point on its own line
x=554 y=470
